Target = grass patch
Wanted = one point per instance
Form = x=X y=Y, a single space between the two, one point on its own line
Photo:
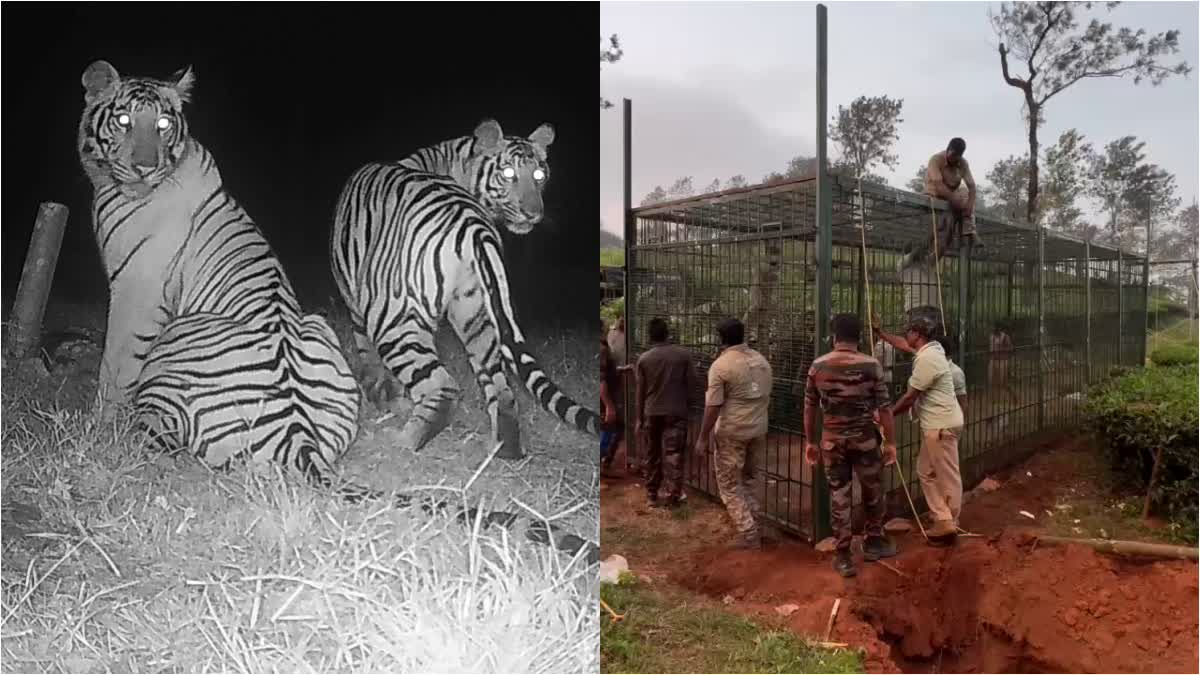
x=1101 y=504
x=666 y=631
x=116 y=559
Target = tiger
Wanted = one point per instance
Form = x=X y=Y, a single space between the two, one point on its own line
x=417 y=240
x=506 y=173
x=206 y=339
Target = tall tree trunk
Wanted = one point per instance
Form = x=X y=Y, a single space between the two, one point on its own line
x=1031 y=207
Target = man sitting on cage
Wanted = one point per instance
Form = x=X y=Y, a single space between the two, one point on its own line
x=948 y=170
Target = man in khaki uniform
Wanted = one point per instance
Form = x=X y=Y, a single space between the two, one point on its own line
x=941 y=422
x=736 y=403
x=945 y=175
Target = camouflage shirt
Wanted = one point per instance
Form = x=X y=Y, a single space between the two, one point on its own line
x=848 y=386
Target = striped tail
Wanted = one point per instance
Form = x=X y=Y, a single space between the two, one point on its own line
x=494 y=282
x=536 y=531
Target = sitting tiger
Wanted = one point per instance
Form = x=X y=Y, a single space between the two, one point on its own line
x=205 y=335
x=417 y=240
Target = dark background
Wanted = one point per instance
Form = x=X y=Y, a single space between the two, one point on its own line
x=292 y=98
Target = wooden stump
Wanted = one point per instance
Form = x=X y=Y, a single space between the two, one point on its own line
x=36 y=279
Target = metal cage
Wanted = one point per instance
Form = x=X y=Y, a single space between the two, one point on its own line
x=751 y=253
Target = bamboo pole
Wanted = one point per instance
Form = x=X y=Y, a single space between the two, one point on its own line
x=1128 y=547
x=37 y=277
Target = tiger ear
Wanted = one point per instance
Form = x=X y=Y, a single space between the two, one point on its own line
x=543 y=135
x=488 y=136
x=184 y=79
x=98 y=78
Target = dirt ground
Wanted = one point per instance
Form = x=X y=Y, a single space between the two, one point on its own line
x=994 y=603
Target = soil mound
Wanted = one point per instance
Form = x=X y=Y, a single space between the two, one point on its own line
x=995 y=606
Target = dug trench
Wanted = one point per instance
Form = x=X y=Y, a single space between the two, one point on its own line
x=998 y=605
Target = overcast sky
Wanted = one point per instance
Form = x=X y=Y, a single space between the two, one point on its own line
x=725 y=88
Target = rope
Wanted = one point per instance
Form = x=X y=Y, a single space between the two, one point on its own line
x=862 y=224
x=916 y=516
x=871 y=333
x=937 y=264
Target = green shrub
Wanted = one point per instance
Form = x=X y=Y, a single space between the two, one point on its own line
x=1136 y=414
x=1175 y=354
x=610 y=312
x=612 y=257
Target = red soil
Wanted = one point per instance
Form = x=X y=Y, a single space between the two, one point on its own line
x=997 y=604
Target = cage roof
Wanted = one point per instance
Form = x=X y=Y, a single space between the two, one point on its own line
x=894 y=217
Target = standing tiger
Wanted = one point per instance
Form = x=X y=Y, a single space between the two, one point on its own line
x=205 y=335
x=417 y=240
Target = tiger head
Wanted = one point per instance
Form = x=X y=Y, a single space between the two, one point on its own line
x=511 y=173
x=132 y=132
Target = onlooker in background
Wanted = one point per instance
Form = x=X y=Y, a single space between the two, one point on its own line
x=950 y=346
x=941 y=422
x=735 y=411
x=848 y=388
x=612 y=396
x=665 y=377
x=885 y=354
x=1001 y=348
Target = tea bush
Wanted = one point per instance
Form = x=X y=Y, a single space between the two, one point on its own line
x=1141 y=411
x=1177 y=354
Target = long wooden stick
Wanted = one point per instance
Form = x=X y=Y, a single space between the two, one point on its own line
x=1129 y=547
x=832 y=617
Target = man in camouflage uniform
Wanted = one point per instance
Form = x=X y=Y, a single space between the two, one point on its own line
x=848 y=387
x=735 y=410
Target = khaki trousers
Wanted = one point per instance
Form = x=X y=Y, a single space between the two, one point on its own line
x=937 y=467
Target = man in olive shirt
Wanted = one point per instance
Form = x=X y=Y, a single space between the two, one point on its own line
x=941 y=422
x=739 y=394
x=665 y=381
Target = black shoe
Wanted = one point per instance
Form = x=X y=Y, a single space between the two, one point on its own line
x=875 y=548
x=843 y=564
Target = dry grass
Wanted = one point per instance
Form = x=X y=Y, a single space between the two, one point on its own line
x=118 y=560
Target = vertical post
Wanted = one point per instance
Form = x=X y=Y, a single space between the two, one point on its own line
x=964 y=299
x=1146 y=288
x=1087 y=303
x=1041 y=325
x=821 y=527
x=1120 y=309
x=37 y=276
x=631 y=440
x=1009 y=300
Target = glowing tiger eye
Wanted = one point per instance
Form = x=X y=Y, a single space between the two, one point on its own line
x=124 y=120
x=538 y=174
x=509 y=172
x=163 y=123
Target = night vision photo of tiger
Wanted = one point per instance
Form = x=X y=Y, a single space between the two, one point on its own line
x=253 y=264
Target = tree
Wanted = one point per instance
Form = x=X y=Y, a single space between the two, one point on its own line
x=1112 y=177
x=1005 y=188
x=655 y=196
x=610 y=54
x=798 y=167
x=1150 y=202
x=1065 y=182
x=714 y=186
x=738 y=181
x=1057 y=53
x=682 y=187
x=865 y=133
